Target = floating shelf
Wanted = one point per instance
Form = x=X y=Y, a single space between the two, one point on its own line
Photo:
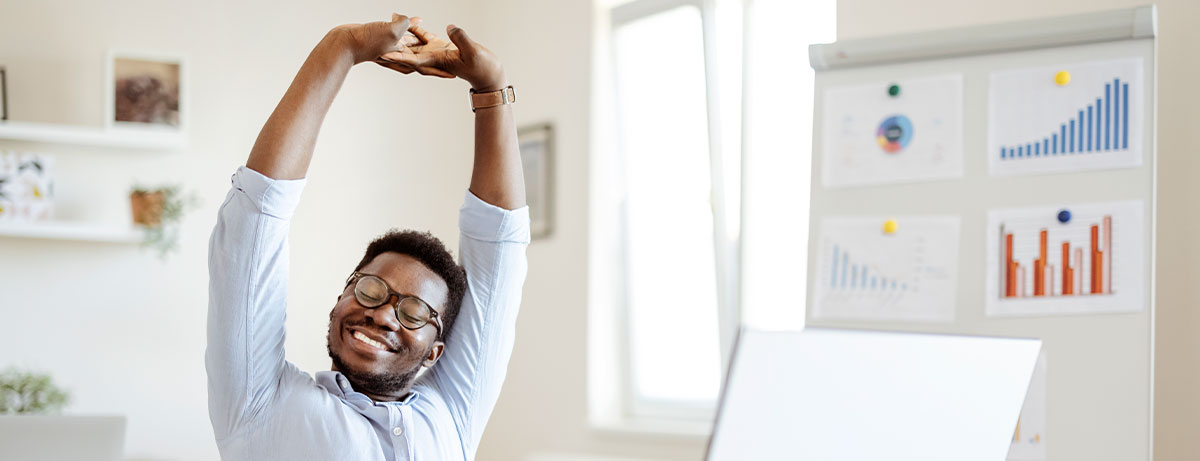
x=130 y=138
x=71 y=230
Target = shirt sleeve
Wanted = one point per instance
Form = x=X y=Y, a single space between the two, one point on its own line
x=248 y=272
x=469 y=375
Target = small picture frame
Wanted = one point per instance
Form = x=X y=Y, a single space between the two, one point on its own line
x=145 y=91
x=3 y=94
x=537 y=159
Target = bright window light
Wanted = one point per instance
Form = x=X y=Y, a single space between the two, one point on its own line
x=670 y=268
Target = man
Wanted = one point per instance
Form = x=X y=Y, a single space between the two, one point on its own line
x=395 y=313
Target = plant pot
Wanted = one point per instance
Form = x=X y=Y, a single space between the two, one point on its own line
x=147 y=207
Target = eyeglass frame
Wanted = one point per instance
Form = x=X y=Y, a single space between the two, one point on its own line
x=434 y=317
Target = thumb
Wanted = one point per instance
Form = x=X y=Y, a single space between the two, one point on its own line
x=459 y=38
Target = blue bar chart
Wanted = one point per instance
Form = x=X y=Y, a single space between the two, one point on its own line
x=849 y=275
x=1092 y=120
x=907 y=274
x=1104 y=128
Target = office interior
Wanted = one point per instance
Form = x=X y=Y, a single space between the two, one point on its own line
x=121 y=326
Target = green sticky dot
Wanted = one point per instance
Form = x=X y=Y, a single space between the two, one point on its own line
x=894 y=90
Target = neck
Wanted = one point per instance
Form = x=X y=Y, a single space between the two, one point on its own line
x=389 y=396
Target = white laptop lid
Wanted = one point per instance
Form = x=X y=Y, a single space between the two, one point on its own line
x=829 y=395
x=61 y=438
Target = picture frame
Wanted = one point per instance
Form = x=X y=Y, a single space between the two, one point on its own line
x=3 y=94
x=537 y=160
x=145 y=91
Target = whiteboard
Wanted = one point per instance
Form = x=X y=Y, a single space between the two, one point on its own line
x=1100 y=369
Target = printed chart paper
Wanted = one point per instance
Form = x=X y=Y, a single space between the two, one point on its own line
x=864 y=273
x=1039 y=265
x=1094 y=121
x=873 y=137
x=1029 y=439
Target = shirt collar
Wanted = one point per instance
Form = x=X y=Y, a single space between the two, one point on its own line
x=337 y=384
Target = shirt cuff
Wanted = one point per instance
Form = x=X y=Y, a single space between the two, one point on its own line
x=274 y=197
x=483 y=221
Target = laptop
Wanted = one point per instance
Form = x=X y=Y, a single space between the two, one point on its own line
x=61 y=438
x=850 y=395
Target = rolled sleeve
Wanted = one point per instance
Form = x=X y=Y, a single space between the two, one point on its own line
x=248 y=271
x=470 y=374
x=483 y=221
x=274 y=197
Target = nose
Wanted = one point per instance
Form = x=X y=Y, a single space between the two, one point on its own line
x=385 y=316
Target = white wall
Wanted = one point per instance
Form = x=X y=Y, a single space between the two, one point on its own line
x=1177 y=356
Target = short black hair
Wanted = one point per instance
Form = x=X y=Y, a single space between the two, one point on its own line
x=433 y=254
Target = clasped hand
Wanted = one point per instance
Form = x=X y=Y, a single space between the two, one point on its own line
x=403 y=45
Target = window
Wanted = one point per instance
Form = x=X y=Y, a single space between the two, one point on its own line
x=669 y=258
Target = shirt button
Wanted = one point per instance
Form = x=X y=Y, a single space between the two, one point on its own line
x=397 y=431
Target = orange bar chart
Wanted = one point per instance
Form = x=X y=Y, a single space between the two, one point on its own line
x=1070 y=258
x=1040 y=279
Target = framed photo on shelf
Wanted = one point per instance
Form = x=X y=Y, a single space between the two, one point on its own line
x=145 y=91
x=537 y=160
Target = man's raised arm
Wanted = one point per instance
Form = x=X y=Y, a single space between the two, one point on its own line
x=497 y=175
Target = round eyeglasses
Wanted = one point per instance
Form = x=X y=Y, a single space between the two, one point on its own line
x=413 y=313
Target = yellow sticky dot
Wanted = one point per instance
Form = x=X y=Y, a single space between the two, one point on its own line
x=889 y=226
x=1062 y=78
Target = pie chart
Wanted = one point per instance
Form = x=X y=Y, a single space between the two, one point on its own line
x=894 y=133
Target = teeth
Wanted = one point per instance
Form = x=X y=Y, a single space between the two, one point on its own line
x=361 y=337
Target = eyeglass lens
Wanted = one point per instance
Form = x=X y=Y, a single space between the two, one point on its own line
x=373 y=292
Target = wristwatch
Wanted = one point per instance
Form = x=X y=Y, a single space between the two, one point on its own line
x=485 y=99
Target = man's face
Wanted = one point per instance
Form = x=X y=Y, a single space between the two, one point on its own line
x=388 y=371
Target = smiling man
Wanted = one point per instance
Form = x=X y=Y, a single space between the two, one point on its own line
x=405 y=307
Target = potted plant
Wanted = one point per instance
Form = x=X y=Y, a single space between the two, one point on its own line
x=25 y=392
x=159 y=212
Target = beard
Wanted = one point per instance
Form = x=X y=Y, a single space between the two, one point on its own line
x=374 y=382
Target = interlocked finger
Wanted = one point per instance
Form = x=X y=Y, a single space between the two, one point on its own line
x=401 y=68
x=422 y=34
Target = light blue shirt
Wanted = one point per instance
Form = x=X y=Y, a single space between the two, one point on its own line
x=262 y=407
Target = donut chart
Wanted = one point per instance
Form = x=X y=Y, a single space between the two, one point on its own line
x=894 y=133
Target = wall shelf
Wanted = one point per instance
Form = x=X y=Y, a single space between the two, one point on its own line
x=71 y=230
x=120 y=137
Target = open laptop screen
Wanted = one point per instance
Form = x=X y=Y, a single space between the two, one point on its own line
x=823 y=394
x=61 y=438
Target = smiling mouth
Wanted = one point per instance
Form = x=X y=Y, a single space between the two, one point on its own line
x=370 y=342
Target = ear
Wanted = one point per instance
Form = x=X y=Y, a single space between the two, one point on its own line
x=435 y=353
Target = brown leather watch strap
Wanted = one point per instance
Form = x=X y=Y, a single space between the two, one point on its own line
x=485 y=99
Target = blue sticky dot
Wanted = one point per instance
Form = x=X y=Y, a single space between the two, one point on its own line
x=1064 y=216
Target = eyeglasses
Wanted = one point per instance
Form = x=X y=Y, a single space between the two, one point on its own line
x=411 y=311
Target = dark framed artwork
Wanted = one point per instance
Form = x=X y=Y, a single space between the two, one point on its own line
x=145 y=91
x=537 y=160
x=3 y=94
